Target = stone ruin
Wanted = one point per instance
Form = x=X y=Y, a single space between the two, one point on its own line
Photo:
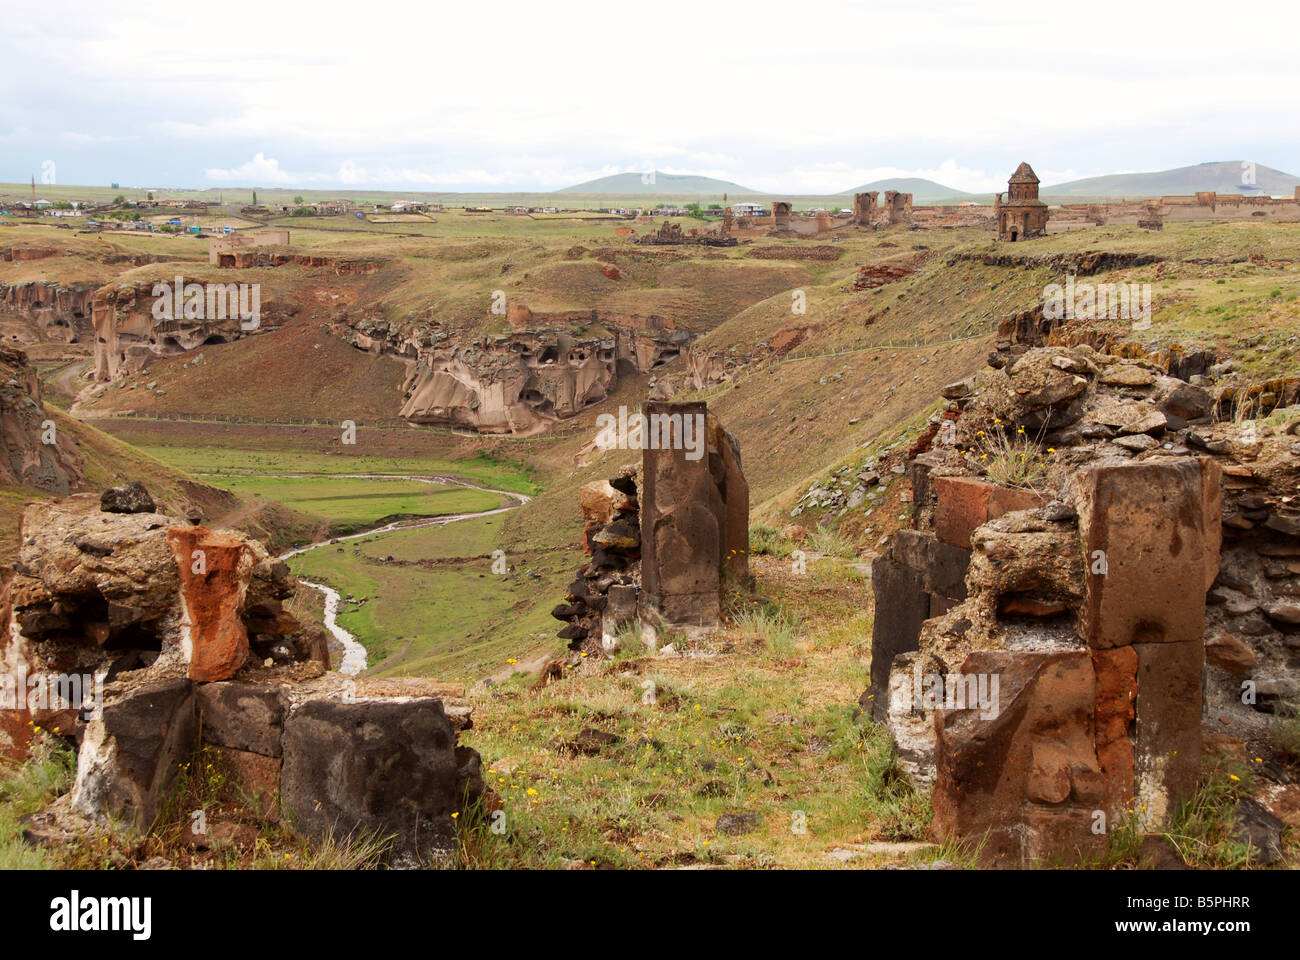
x=1044 y=654
x=186 y=636
x=671 y=234
x=664 y=538
x=1021 y=216
x=867 y=212
x=1152 y=219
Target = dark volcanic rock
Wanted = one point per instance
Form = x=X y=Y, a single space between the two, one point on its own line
x=129 y=498
x=376 y=766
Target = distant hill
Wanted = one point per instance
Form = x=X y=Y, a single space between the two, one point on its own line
x=1222 y=177
x=922 y=190
x=672 y=184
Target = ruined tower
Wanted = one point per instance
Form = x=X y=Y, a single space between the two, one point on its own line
x=1021 y=216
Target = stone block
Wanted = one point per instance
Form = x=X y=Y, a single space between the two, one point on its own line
x=242 y=716
x=130 y=755
x=376 y=766
x=1167 y=733
x=902 y=605
x=964 y=503
x=1150 y=549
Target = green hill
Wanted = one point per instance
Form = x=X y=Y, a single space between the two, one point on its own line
x=1222 y=177
x=668 y=184
x=922 y=190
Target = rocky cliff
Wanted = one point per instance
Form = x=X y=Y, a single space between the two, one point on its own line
x=32 y=451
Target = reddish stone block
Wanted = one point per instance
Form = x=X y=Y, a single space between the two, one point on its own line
x=1116 y=673
x=1027 y=778
x=965 y=503
x=215 y=570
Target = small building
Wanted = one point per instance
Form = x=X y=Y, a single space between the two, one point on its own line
x=747 y=209
x=1021 y=216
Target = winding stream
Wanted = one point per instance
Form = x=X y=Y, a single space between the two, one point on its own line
x=354 y=654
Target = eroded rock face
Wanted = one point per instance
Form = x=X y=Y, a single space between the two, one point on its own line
x=111 y=582
x=128 y=336
x=522 y=382
x=33 y=452
x=56 y=312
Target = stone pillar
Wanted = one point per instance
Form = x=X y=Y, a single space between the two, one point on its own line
x=864 y=208
x=694 y=516
x=1151 y=535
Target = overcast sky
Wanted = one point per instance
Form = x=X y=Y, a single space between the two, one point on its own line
x=807 y=97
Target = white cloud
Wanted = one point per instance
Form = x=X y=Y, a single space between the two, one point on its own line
x=833 y=94
x=260 y=170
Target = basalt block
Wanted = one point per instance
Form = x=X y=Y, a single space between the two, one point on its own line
x=378 y=767
x=902 y=605
x=130 y=755
x=1167 y=733
x=242 y=716
x=683 y=519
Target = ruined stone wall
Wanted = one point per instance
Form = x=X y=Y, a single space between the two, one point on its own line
x=1085 y=597
x=664 y=538
x=1201 y=207
x=187 y=630
x=242 y=242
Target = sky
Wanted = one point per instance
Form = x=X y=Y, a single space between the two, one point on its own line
x=811 y=97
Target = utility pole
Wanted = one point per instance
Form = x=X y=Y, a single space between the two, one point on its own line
x=33 y=188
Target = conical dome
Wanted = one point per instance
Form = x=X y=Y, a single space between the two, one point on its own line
x=1024 y=174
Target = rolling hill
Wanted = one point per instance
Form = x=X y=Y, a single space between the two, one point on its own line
x=922 y=190
x=1223 y=177
x=674 y=184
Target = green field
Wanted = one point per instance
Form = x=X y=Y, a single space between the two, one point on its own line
x=423 y=615
x=354 y=503
x=220 y=465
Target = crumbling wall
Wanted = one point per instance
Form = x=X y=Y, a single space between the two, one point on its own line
x=186 y=637
x=664 y=538
x=1080 y=601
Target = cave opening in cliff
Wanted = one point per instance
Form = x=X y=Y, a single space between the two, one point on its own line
x=666 y=357
x=537 y=401
x=215 y=338
x=549 y=355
